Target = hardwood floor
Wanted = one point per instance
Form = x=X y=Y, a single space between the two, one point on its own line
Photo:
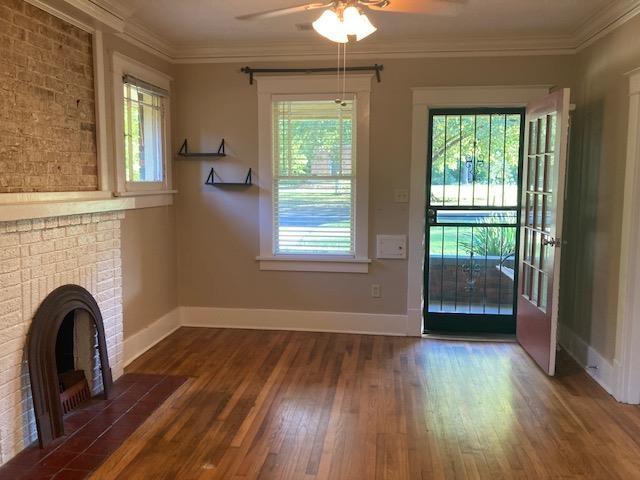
x=295 y=405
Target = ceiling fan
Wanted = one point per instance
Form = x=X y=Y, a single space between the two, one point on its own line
x=343 y=20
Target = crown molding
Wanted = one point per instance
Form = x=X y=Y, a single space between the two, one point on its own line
x=85 y=14
x=604 y=22
x=119 y=8
x=117 y=14
x=399 y=49
x=143 y=38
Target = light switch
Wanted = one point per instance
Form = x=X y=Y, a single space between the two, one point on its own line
x=401 y=195
x=391 y=246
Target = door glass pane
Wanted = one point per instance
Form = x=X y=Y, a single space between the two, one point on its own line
x=534 y=285
x=471 y=269
x=546 y=217
x=527 y=245
x=548 y=254
x=551 y=133
x=544 y=287
x=511 y=160
x=438 y=152
x=452 y=171
x=467 y=155
x=540 y=170
x=528 y=220
x=475 y=160
x=496 y=159
x=481 y=159
x=542 y=134
x=531 y=174
x=535 y=249
x=548 y=187
x=526 y=279
x=533 y=137
x=539 y=212
x=477 y=216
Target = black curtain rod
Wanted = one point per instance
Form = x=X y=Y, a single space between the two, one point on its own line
x=253 y=71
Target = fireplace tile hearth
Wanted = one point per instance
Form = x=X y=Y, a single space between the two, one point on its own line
x=95 y=430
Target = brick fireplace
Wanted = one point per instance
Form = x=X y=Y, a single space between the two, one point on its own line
x=36 y=257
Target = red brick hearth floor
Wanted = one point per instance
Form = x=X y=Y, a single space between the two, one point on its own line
x=95 y=430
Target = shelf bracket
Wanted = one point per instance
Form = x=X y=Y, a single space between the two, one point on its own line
x=211 y=180
x=184 y=151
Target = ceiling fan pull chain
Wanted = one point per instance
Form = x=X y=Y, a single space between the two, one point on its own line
x=338 y=100
x=344 y=76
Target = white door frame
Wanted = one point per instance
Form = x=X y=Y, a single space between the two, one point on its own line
x=424 y=99
x=627 y=357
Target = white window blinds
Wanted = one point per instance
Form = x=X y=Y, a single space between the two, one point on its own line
x=314 y=177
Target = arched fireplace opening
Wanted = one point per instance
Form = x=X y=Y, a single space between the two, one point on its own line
x=77 y=364
x=67 y=355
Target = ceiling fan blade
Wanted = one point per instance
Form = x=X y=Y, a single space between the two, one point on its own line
x=285 y=11
x=427 y=7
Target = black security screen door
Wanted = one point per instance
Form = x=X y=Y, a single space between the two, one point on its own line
x=473 y=210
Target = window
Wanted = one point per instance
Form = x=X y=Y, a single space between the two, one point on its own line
x=314 y=177
x=313 y=174
x=141 y=104
x=143 y=132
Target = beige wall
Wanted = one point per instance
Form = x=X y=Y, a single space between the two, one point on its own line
x=148 y=266
x=148 y=235
x=218 y=229
x=595 y=187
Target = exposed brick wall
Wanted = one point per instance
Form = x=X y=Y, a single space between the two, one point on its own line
x=47 y=111
x=37 y=256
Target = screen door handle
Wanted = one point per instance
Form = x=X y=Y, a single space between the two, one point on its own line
x=431 y=215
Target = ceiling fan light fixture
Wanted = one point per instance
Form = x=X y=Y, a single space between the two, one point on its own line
x=330 y=26
x=338 y=28
x=357 y=24
x=351 y=19
x=365 y=28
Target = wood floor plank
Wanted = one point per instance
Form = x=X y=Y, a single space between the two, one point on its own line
x=309 y=406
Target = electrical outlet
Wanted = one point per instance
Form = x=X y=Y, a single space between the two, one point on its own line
x=375 y=291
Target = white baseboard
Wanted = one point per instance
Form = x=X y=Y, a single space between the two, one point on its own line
x=599 y=368
x=262 y=319
x=140 y=342
x=297 y=320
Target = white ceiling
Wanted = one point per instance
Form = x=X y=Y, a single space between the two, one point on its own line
x=207 y=30
x=212 y=22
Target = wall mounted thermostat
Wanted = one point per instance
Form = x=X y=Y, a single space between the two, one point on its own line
x=391 y=246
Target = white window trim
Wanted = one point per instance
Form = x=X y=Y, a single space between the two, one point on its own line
x=124 y=65
x=268 y=87
x=424 y=99
x=627 y=353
